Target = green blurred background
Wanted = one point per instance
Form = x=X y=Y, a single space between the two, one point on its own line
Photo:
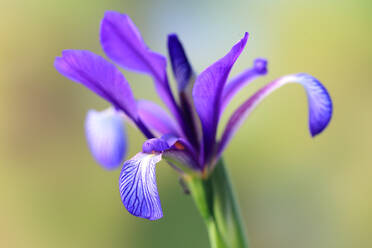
x=294 y=191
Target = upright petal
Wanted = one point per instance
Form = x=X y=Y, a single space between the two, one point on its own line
x=156 y=118
x=233 y=86
x=207 y=94
x=123 y=43
x=137 y=185
x=100 y=76
x=185 y=78
x=106 y=137
x=320 y=105
x=181 y=67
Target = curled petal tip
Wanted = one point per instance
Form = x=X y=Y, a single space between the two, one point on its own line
x=106 y=137
x=320 y=103
x=260 y=66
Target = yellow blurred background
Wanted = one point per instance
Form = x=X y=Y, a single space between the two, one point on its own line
x=294 y=191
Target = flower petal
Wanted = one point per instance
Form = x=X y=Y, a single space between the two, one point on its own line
x=233 y=86
x=320 y=105
x=185 y=78
x=137 y=185
x=181 y=67
x=182 y=160
x=100 y=76
x=106 y=137
x=155 y=145
x=207 y=94
x=180 y=153
x=123 y=43
x=156 y=118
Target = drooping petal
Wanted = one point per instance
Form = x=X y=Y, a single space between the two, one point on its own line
x=137 y=185
x=123 y=43
x=320 y=105
x=103 y=78
x=181 y=67
x=106 y=137
x=100 y=76
x=156 y=118
x=137 y=182
x=233 y=86
x=207 y=94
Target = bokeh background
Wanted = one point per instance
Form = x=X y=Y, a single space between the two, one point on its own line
x=294 y=191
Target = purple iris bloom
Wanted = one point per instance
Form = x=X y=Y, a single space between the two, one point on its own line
x=186 y=136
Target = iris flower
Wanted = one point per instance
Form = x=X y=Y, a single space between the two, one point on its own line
x=185 y=134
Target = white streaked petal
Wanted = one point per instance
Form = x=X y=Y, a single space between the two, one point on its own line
x=137 y=185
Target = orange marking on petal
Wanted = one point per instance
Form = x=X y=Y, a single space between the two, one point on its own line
x=179 y=146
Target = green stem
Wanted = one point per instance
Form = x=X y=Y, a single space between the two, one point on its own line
x=217 y=204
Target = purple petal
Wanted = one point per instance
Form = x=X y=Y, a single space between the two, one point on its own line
x=180 y=154
x=155 y=145
x=175 y=150
x=185 y=78
x=123 y=43
x=106 y=137
x=207 y=94
x=178 y=143
x=181 y=67
x=320 y=105
x=100 y=76
x=182 y=159
x=259 y=69
x=156 y=118
x=137 y=185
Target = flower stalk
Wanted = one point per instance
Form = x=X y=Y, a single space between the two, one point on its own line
x=216 y=202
